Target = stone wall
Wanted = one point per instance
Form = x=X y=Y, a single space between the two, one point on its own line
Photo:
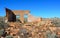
x=11 y=14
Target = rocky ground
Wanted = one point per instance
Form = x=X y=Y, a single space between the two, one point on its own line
x=43 y=29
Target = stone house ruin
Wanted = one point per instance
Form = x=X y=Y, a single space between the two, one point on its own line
x=11 y=14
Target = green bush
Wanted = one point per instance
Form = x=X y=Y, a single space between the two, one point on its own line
x=8 y=37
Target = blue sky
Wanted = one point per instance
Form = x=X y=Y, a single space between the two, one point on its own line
x=38 y=8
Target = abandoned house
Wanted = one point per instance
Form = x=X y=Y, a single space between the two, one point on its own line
x=11 y=14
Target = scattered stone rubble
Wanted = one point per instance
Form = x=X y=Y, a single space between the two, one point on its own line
x=37 y=29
